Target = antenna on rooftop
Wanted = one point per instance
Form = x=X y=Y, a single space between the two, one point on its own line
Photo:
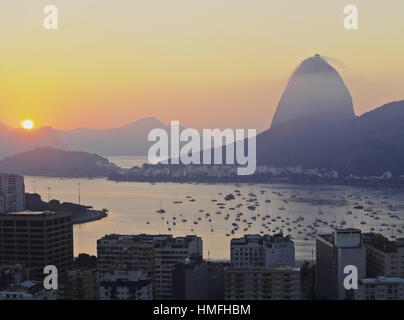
x=79 y=193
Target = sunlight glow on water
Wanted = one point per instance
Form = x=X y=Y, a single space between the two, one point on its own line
x=133 y=204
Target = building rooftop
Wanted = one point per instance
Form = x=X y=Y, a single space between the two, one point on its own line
x=273 y=268
x=30 y=287
x=330 y=237
x=31 y=213
x=157 y=240
x=382 y=243
x=267 y=239
x=382 y=280
x=34 y=213
x=348 y=230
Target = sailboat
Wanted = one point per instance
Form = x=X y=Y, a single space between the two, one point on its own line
x=161 y=210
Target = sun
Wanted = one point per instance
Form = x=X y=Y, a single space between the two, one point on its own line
x=27 y=124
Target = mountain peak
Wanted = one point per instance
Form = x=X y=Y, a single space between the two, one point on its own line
x=145 y=123
x=314 y=90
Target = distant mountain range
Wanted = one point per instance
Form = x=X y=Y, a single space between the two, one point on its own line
x=130 y=139
x=314 y=127
x=13 y=141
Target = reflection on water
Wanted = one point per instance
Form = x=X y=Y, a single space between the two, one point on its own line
x=299 y=210
x=128 y=162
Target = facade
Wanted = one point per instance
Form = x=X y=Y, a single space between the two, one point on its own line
x=383 y=257
x=254 y=251
x=36 y=239
x=154 y=254
x=126 y=285
x=81 y=284
x=381 y=288
x=27 y=290
x=12 y=193
x=333 y=253
x=265 y=283
x=196 y=279
x=12 y=274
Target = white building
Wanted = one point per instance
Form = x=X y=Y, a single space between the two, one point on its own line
x=254 y=251
x=381 y=288
x=126 y=285
x=333 y=253
x=12 y=193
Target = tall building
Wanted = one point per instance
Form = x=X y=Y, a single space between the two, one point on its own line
x=12 y=193
x=333 y=253
x=383 y=257
x=80 y=284
x=264 y=283
x=196 y=279
x=126 y=285
x=381 y=288
x=253 y=251
x=36 y=239
x=154 y=254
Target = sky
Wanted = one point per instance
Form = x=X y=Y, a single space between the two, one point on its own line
x=208 y=64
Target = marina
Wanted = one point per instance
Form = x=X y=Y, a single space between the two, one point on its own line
x=223 y=211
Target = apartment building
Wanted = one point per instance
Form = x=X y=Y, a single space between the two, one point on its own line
x=264 y=283
x=381 y=288
x=252 y=251
x=36 y=239
x=12 y=193
x=156 y=255
x=383 y=256
x=333 y=253
x=126 y=285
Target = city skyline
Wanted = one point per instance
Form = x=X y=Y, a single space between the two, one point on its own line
x=202 y=154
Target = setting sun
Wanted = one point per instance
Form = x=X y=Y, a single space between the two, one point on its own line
x=28 y=124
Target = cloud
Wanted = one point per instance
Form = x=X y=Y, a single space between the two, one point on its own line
x=335 y=62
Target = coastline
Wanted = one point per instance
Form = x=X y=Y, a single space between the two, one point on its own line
x=89 y=216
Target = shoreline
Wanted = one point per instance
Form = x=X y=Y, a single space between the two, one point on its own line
x=89 y=216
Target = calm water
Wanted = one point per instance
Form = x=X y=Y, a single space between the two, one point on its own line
x=128 y=161
x=132 y=205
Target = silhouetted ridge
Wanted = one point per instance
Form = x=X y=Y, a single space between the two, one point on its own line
x=314 y=89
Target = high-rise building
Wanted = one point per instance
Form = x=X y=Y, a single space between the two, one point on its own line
x=36 y=239
x=333 y=253
x=264 y=283
x=381 y=288
x=80 y=284
x=196 y=279
x=253 y=251
x=154 y=254
x=383 y=257
x=12 y=193
x=126 y=285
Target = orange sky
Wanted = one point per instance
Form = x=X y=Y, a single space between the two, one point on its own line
x=206 y=63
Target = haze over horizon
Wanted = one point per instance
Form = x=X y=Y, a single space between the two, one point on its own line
x=205 y=64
